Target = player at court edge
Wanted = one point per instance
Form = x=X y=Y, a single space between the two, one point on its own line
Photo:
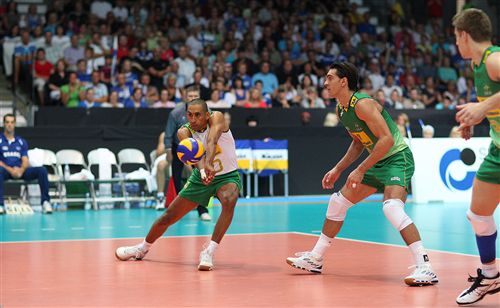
x=473 y=32
x=215 y=174
x=388 y=168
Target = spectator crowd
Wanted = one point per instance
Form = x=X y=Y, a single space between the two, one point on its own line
x=248 y=54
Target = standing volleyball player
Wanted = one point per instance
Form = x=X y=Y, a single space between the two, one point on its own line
x=473 y=33
x=388 y=168
x=220 y=178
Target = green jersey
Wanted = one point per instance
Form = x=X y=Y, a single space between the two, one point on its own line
x=360 y=130
x=485 y=87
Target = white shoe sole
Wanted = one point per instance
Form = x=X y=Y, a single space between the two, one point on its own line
x=292 y=264
x=412 y=282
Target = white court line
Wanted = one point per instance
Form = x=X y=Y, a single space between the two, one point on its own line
x=391 y=245
x=140 y=238
x=77 y=228
x=48 y=229
x=134 y=227
x=18 y=230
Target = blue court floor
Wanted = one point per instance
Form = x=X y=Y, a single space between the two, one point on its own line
x=443 y=226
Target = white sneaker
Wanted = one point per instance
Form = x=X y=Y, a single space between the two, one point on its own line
x=205 y=217
x=423 y=275
x=47 y=208
x=160 y=204
x=206 y=261
x=306 y=261
x=2 y=210
x=126 y=253
x=480 y=288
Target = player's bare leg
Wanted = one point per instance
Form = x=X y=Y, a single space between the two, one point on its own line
x=338 y=205
x=485 y=199
x=228 y=196
x=177 y=209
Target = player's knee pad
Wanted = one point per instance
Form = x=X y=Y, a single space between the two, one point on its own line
x=482 y=225
x=395 y=213
x=337 y=207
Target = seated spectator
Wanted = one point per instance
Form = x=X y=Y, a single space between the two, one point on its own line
x=43 y=70
x=452 y=92
x=402 y=123
x=124 y=91
x=82 y=74
x=430 y=95
x=239 y=92
x=149 y=91
x=255 y=100
x=312 y=100
x=414 y=101
x=164 y=101
x=280 y=101
x=105 y=70
x=216 y=102
x=100 y=89
x=113 y=101
x=52 y=52
x=71 y=93
x=446 y=103
x=367 y=87
x=390 y=86
x=89 y=100
x=60 y=40
x=445 y=72
x=202 y=83
x=136 y=100
x=427 y=131
x=305 y=84
x=131 y=78
x=14 y=163
x=269 y=80
x=74 y=52
x=56 y=81
x=23 y=53
x=173 y=91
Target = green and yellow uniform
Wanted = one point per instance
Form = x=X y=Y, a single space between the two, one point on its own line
x=397 y=165
x=225 y=165
x=489 y=171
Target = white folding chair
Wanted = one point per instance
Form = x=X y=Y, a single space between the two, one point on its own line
x=103 y=158
x=74 y=159
x=132 y=156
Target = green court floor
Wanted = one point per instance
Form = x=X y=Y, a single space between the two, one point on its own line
x=442 y=226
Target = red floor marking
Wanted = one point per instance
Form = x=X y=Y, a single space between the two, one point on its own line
x=250 y=271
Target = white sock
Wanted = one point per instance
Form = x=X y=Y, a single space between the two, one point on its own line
x=212 y=247
x=144 y=246
x=489 y=270
x=419 y=254
x=321 y=245
x=160 y=195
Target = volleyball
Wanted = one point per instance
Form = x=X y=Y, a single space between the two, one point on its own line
x=190 y=151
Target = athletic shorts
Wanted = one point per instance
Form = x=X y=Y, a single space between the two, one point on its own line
x=196 y=191
x=489 y=171
x=396 y=169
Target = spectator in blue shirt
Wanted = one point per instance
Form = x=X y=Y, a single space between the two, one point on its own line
x=269 y=80
x=24 y=53
x=14 y=163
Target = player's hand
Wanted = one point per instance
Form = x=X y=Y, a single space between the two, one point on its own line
x=330 y=178
x=470 y=114
x=17 y=172
x=207 y=174
x=465 y=131
x=354 y=178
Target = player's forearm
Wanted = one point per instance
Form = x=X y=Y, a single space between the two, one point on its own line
x=354 y=151
x=383 y=146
